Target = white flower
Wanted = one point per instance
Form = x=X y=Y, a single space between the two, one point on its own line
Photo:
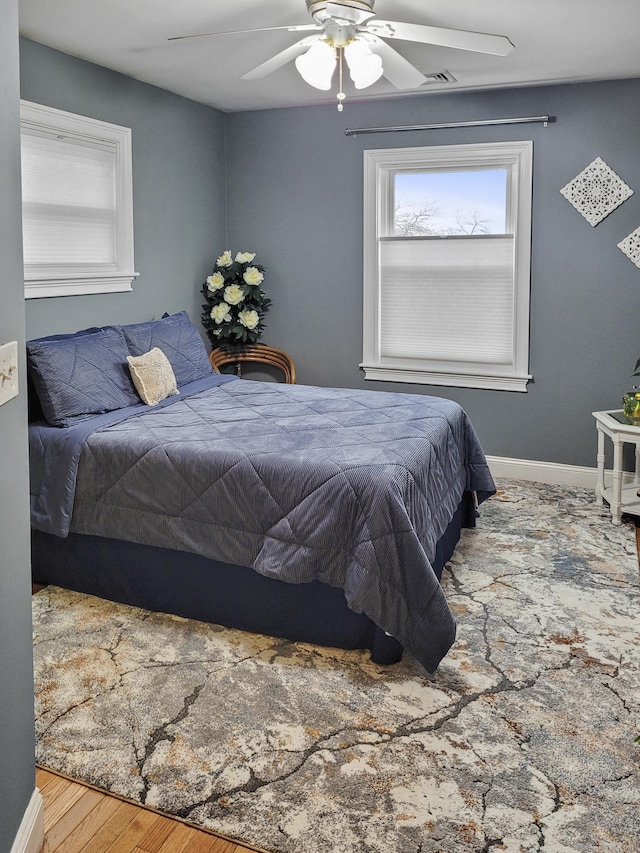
x=233 y=294
x=249 y=319
x=225 y=259
x=245 y=257
x=253 y=275
x=215 y=282
x=220 y=313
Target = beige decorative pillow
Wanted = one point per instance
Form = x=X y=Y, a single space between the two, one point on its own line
x=153 y=376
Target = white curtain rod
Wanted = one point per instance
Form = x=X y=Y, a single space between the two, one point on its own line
x=525 y=120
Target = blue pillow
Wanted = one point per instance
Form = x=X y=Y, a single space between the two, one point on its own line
x=76 y=376
x=178 y=339
x=33 y=402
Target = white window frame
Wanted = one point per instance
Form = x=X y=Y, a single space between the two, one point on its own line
x=380 y=167
x=56 y=279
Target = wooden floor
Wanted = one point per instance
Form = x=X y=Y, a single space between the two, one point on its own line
x=81 y=819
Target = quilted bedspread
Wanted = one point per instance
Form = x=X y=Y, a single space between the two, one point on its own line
x=352 y=488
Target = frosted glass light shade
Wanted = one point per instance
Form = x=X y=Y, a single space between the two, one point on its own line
x=317 y=65
x=365 y=67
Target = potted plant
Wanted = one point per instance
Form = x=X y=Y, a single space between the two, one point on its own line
x=233 y=314
x=631 y=400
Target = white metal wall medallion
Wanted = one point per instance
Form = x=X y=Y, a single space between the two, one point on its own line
x=596 y=191
x=631 y=246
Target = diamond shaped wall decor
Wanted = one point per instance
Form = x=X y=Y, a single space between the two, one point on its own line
x=631 y=246
x=596 y=191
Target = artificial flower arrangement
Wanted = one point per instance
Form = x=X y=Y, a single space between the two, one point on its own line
x=233 y=315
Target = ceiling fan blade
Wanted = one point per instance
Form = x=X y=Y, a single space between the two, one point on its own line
x=280 y=59
x=301 y=28
x=398 y=70
x=460 y=39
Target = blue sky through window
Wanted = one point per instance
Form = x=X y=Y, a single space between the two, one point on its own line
x=470 y=201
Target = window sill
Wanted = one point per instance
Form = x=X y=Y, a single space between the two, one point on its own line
x=37 y=288
x=452 y=380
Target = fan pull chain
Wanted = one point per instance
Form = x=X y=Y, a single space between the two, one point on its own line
x=341 y=95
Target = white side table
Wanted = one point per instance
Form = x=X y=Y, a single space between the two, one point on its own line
x=620 y=498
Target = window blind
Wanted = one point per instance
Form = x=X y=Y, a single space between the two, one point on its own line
x=447 y=298
x=69 y=201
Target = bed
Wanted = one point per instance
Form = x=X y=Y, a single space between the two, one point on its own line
x=323 y=515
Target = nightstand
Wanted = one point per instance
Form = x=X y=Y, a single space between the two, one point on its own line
x=621 y=498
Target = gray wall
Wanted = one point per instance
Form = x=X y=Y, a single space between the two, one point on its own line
x=293 y=194
x=295 y=197
x=17 y=772
x=178 y=188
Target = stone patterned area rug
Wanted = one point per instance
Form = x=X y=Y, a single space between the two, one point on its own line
x=524 y=740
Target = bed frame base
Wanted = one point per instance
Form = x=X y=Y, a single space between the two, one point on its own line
x=234 y=596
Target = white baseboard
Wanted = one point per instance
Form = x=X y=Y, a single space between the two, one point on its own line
x=30 y=837
x=551 y=472
x=542 y=472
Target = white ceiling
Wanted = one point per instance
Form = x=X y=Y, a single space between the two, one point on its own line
x=555 y=40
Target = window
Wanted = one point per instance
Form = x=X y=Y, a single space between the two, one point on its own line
x=77 y=204
x=447 y=233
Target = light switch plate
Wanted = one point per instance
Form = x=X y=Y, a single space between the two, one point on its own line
x=8 y=371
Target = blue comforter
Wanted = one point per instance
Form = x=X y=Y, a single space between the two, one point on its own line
x=352 y=488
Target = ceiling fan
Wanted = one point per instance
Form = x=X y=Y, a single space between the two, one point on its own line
x=349 y=29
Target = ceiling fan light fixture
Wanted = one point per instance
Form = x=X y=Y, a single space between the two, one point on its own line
x=365 y=67
x=349 y=11
x=317 y=65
